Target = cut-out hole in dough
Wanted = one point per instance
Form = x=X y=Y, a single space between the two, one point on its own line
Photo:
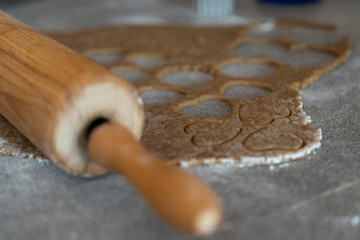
x=303 y=35
x=148 y=61
x=160 y=97
x=308 y=58
x=242 y=92
x=132 y=75
x=257 y=50
x=312 y=36
x=208 y=108
x=299 y=58
x=248 y=70
x=105 y=57
x=187 y=78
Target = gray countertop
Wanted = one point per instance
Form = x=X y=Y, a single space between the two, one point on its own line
x=317 y=197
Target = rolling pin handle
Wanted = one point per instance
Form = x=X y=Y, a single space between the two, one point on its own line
x=178 y=197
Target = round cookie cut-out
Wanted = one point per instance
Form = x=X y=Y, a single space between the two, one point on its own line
x=242 y=92
x=297 y=58
x=302 y=35
x=307 y=58
x=148 y=61
x=187 y=78
x=313 y=36
x=248 y=70
x=157 y=97
x=259 y=50
x=208 y=108
x=131 y=75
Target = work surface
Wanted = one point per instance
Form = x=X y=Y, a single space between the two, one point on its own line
x=313 y=198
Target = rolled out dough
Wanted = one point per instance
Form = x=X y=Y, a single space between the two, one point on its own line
x=269 y=128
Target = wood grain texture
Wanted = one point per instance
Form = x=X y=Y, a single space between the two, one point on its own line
x=52 y=94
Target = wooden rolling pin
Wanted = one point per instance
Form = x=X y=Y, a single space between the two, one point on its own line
x=87 y=120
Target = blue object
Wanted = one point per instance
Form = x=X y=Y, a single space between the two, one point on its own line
x=289 y=1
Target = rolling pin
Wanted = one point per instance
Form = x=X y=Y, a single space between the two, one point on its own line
x=87 y=121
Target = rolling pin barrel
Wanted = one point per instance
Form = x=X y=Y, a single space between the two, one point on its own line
x=59 y=93
x=87 y=120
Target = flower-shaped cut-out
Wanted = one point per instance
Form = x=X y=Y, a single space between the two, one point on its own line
x=262 y=113
x=273 y=138
x=207 y=134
